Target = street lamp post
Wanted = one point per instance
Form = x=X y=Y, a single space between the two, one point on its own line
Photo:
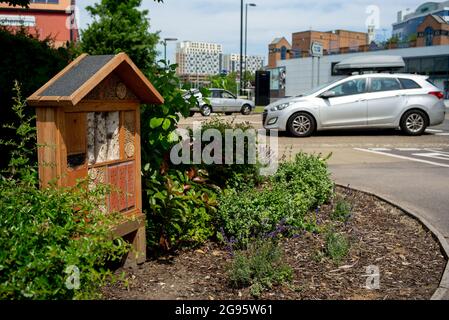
x=165 y=46
x=241 y=45
x=246 y=37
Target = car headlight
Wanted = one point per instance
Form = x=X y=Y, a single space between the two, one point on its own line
x=281 y=106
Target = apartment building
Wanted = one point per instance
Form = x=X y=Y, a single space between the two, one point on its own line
x=231 y=63
x=198 y=58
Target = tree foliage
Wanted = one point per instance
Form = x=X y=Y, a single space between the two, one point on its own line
x=230 y=82
x=32 y=63
x=119 y=26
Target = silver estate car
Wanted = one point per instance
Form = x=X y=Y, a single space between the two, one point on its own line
x=409 y=102
x=222 y=101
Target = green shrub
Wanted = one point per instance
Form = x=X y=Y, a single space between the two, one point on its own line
x=337 y=246
x=234 y=174
x=308 y=175
x=180 y=210
x=42 y=232
x=261 y=267
x=296 y=188
x=250 y=214
x=178 y=203
x=342 y=211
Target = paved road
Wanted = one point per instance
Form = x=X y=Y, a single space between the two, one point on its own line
x=411 y=171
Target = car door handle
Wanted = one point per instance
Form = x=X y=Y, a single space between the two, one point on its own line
x=362 y=100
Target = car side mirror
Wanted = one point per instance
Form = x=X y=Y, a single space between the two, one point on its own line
x=328 y=94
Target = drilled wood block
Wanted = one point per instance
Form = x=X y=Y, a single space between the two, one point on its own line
x=98 y=176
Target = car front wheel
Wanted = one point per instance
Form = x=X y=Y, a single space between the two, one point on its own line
x=301 y=125
x=414 y=123
x=246 y=110
x=206 y=110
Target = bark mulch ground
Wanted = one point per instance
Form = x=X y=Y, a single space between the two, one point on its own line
x=409 y=259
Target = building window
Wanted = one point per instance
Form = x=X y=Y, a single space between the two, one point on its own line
x=429 y=36
x=283 y=53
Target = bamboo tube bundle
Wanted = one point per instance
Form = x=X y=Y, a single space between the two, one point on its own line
x=91 y=138
x=101 y=145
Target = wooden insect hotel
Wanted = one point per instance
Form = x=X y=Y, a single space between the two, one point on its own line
x=88 y=126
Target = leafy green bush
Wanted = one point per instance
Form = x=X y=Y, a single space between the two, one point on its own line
x=241 y=169
x=337 y=246
x=261 y=267
x=181 y=209
x=179 y=204
x=307 y=175
x=43 y=232
x=296 y=188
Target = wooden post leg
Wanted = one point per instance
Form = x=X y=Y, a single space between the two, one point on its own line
x=138 y=254
x=140 y=246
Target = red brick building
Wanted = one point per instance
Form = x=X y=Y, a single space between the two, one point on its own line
x=279 y=49
x=332 y=41
x=45 y=18
x=434 y=31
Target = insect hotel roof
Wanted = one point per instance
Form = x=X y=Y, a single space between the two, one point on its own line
x=81 y=76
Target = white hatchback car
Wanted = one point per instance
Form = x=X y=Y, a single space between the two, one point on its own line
x=409 y=102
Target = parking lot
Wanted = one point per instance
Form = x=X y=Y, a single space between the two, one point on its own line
x=410 y=171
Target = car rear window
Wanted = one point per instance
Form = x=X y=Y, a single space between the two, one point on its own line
x=384 y=84
x=409 y=84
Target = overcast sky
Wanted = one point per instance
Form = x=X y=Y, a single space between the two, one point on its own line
x=219 y=20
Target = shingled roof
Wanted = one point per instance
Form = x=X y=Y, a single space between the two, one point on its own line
x=81 y=76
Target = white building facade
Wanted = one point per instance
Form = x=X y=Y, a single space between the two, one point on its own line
x=198 y=58
x=231 y=63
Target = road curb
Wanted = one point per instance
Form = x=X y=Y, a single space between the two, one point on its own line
x=442 y=292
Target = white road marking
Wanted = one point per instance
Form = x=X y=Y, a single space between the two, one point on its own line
x=380 y=149
x=434 y=130
x=408 y=149
x=434 y=155
x=442 y=134
x=403 y=157
x=437 y=150
x=434 y=149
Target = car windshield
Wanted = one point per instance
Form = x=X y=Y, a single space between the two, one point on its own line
x=316 y=89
